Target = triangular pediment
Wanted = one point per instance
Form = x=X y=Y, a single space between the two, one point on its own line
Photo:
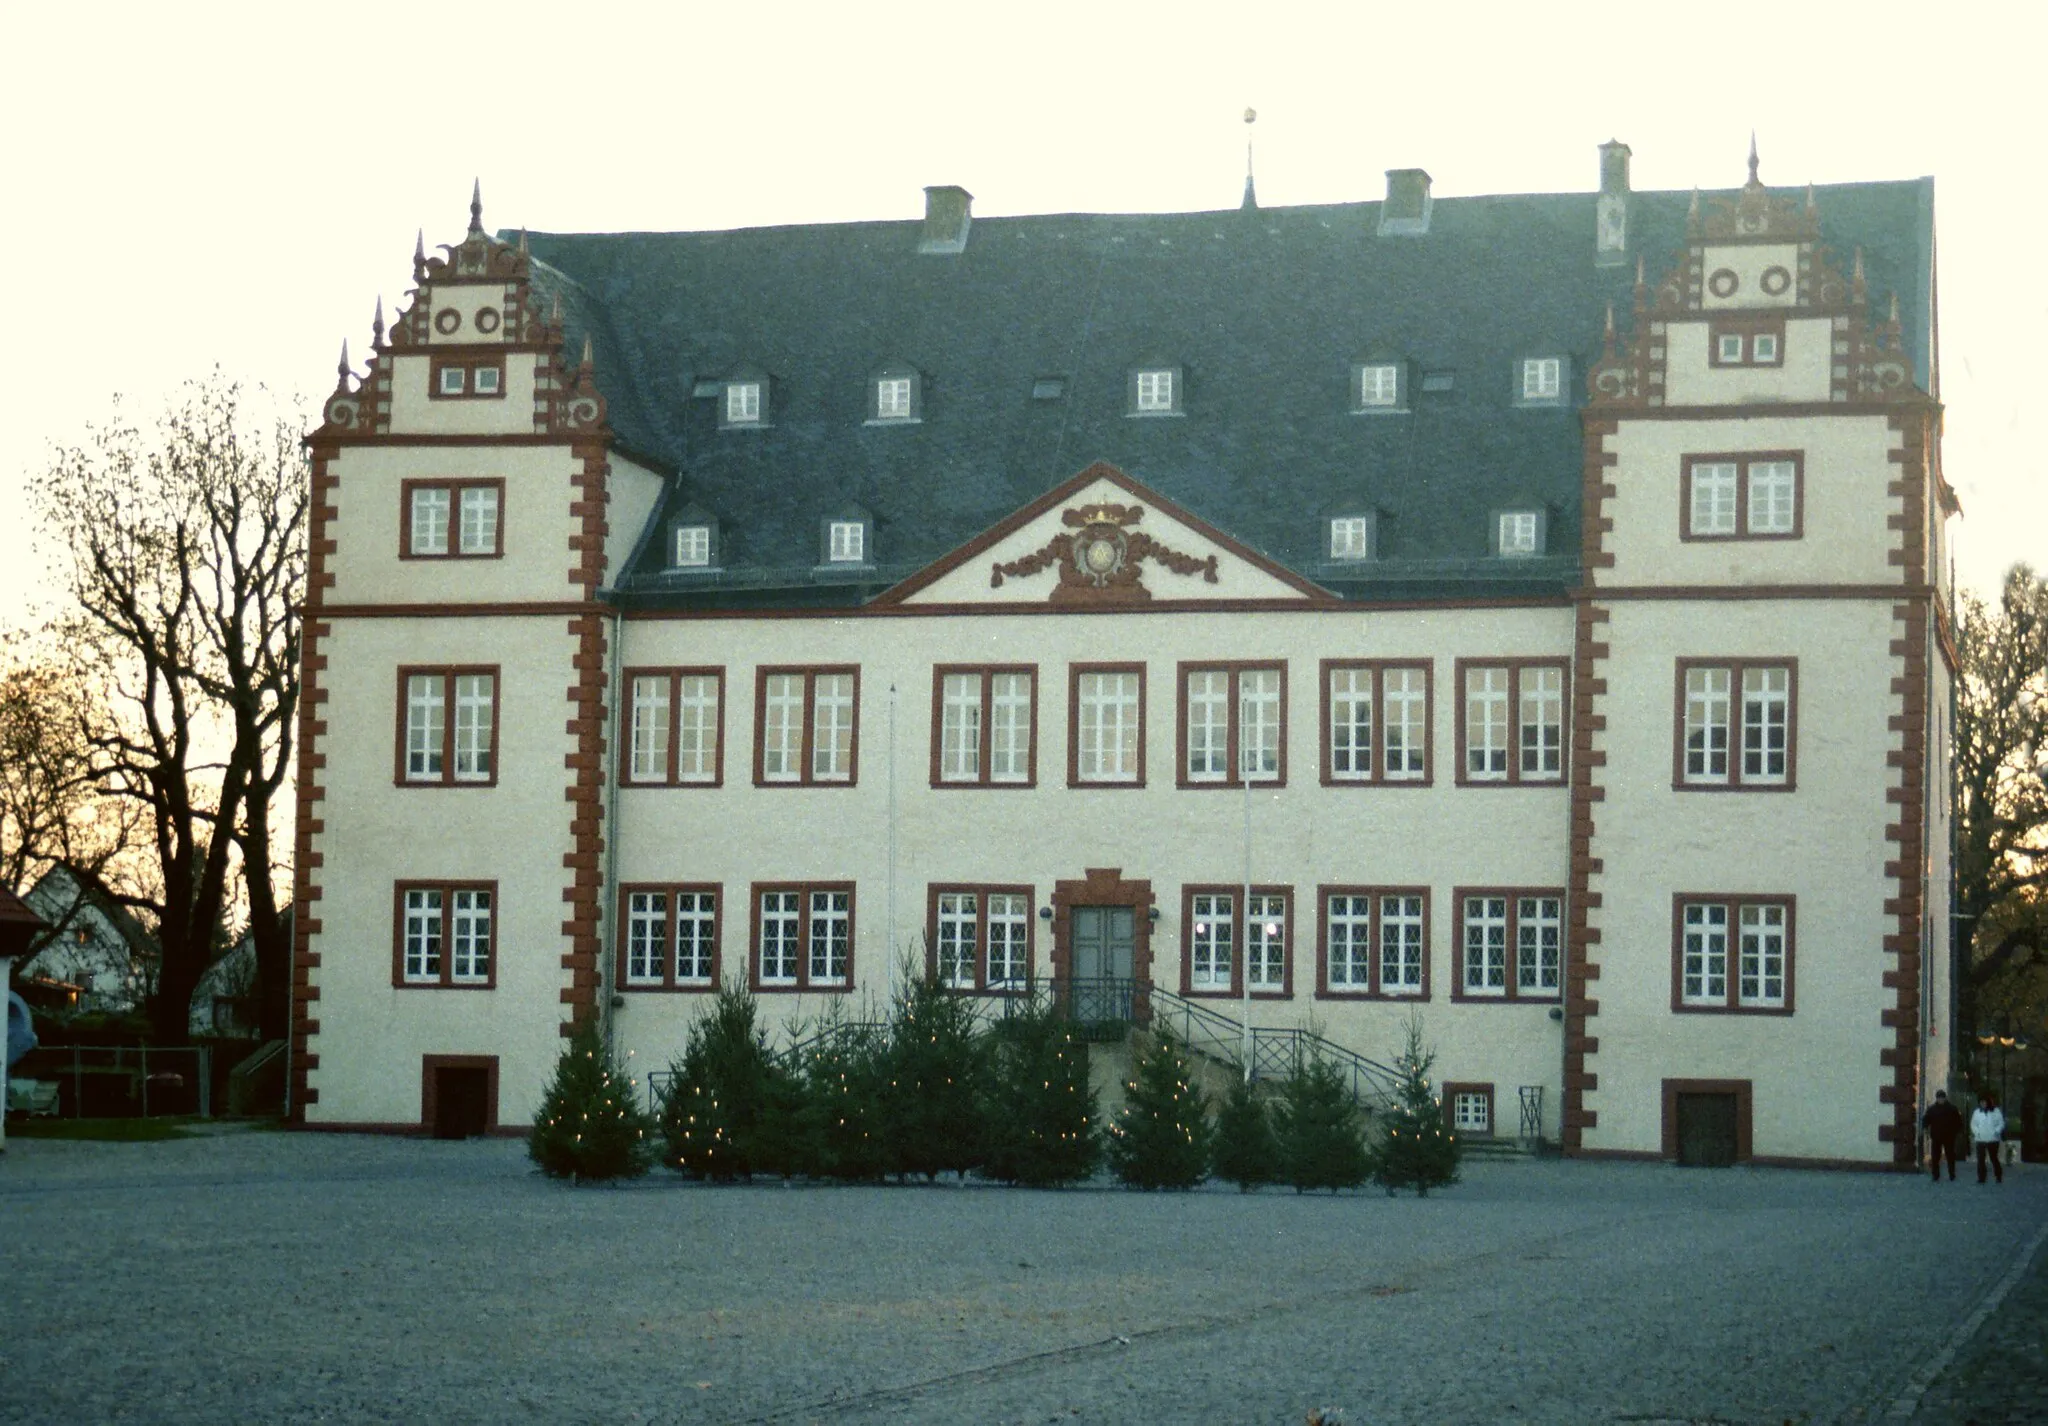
x=1103 y=541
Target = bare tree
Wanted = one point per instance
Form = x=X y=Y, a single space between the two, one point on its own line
x=187 y=563
x=2001 y=783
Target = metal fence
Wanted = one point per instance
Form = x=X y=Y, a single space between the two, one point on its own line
x=113 y=1081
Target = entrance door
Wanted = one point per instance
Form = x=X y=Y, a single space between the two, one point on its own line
x=1706 y=1129
x=1104 y=943
x=461 y=1102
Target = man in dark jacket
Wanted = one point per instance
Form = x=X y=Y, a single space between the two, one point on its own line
x=1943 y=1122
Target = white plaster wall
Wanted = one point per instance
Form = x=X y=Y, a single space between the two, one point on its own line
x=632 y=491
x=1845 y=537
x=1303 y=835
x=1816 y=1072
x=1236 y=578
x=534 y=515
x=376 y=834
x=415 y=412
x=1806 y=375
x=466 y=300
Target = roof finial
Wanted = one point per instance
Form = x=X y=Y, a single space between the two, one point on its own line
x=1752 y=156
x=1811 y=206
x=342 y=371
x=1251 y=195
x=419 y=256
x=1692 y=213
x=377 y=326
x=476 y=205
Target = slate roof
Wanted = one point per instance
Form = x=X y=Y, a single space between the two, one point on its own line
x=1264 y=310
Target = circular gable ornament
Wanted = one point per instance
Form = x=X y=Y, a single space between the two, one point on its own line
x=447 y=320
x=487 y=320
x=1775 y=281
x=1723 y=282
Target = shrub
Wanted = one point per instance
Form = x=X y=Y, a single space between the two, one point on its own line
x=1318 y=1129
x=1161 y=1136
x=1246 y=1152
x=1042 y=1116
x=590 y=1126
x=1416 y=1150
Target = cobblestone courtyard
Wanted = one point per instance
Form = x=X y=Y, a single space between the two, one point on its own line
x=271 y=1277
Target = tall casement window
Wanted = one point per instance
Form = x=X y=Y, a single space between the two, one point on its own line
x=451 y=519
x=1217 y=920
x=1737 y=723
x=984 y=727
x=1233 y=724
x=1755 y=496
x=675 y=734
x=460 y=378
x=1374 y=942
x=805 y=726
x=1106 y=725
x=980 y=937
x=443 y=935
x=1513 y=726
x=1510 y=945
x=1376 y=721
x=1731 y=953
x=671 y=937
x=447 y=727
x=803 y=937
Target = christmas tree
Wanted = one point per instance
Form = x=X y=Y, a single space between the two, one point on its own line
x=1246 y=1152
x=936 y=1071
x=712 y=1117
x=1416 y=1150
x=590 y=1126
x=1161 y=1136
x=1318 y=1128
x=1041 y=1109
x=844 y=1072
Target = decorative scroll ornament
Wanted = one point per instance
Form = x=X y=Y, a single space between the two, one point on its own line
x=1101 y=560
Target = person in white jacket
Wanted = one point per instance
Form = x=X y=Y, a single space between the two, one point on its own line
x=1987 y=1131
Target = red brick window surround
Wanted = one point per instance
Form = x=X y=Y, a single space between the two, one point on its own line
x=447 y=727
x=1213 y=926
x=1736 y=725
x=675 y=727
x=467 y=378
x=1376 y=722
x=1731 y=954
x=1514 y=714
x=1757 y=340
x=669 y=937
x=1233 y=724
x=984 y=725
x=444 y=935
x=451 y=519
x=1743 y=495
x=979 y=938
x=1106 y=725
x=807 y=726
x=1468 y=1109
x=1510 y=944
x=1373 y=943
x=803 y=937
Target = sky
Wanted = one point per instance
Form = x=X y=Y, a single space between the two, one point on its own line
x=202 y=185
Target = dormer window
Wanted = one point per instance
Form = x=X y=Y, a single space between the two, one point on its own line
x=846 y=542
x=1378 y=386
x=1351 y=537
x=895 y=396
x=693 y=546
x=1155 y=391
x=743 y=404
x=1518 y=534
x=1542 y=380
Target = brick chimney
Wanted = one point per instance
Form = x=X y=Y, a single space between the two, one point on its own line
x=1406 y=211
x=1610 y=224
x=948 y=214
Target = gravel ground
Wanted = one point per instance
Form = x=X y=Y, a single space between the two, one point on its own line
x=294 y=1277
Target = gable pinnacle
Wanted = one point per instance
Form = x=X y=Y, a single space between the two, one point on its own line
x=1811 y=206
x=1752 y=158
x=586 y=353
x=476 y=206
x=419 y=256
x=342 y=370
x=377 y=326
x=523 y=252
